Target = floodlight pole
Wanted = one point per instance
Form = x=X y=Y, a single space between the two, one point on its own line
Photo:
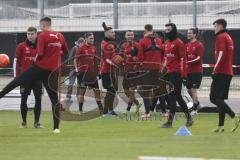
x=194 y=13
x=41 y=7
x=115 y=13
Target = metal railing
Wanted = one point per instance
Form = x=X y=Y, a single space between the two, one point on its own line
x=88 y=16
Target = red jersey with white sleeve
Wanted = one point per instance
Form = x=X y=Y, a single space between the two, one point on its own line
x=107 y=50
x=150 y=52
x=130 y=58
x=194 y=51
x=175 y=57
x=24 y=57
x=86 y=59
x=51 y=45
x=223 y=54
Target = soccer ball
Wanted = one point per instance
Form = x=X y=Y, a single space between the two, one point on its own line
x=4 y=60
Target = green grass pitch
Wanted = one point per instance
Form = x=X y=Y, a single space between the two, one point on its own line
x=113 y=139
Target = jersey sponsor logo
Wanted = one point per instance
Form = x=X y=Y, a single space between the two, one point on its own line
x=57 y=44
x=169 y=55
x=54 y=35
x=30 y=58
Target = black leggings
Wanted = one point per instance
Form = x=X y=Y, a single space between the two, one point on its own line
x=108 y=84
x=36 y=87
x=49 y=80
x=219 y=91
x=174 y=96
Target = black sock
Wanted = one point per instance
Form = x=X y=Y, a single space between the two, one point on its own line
x=24 y=113
x=37 y=112
x=129 y=106
x=147 y=105
x=37 y=109
x=80 y=106
x=136 y=102
x=100 y=106
x=195 y=105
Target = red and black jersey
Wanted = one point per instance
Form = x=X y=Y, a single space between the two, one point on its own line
x=150 y=52
x=194 y=52
x=130 y=56
x=175 y=57
x=108 y=48
x=24 y=57
x=86 y=59
x=51 y=45
x=223 y=54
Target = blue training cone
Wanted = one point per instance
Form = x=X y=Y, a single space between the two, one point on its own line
x=183 y=131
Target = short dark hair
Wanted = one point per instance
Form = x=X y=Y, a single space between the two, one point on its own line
x=170 y=24
x=32 y=29
x=47 y=20
x=222 y=22
x=148 y=27
x=194 y=30
x=88 y=34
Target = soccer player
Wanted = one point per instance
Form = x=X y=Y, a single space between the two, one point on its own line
x=130 y=69
x=107 y=50
x=222 y=74
x=175 y=63
x=86 y=61
x=150 y=58
x=73 y=73
x=24 y=58
x=194 y=51
x=50 y=46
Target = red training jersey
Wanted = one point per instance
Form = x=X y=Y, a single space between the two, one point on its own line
x=86 y=59
x=51 y=45
x=150 y=52
x=223 y=54
x=194 y=52
x=130 y=61
x=175 y=57
x=107 y=50
x=24 y=56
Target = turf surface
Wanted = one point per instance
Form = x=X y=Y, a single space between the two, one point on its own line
x=113 y=139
